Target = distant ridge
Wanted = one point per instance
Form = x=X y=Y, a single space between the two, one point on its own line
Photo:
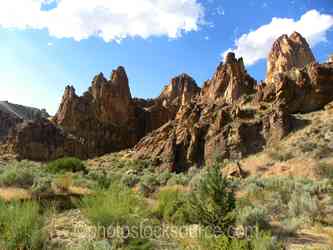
x=23 y=112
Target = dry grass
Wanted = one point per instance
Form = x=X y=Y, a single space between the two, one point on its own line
x=14 y=194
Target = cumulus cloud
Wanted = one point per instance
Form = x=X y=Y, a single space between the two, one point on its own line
x=256 y=44
x=112 y=20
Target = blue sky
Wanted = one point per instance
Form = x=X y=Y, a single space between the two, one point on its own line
x=37 y=60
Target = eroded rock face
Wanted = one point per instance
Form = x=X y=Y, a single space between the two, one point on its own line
x=200 y=132
x=7 y=122
x=41 y=140
x=301 y=90
x=287 y=53
x=107 y=119
x=230 y=81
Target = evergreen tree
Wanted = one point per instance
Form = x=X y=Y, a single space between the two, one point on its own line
x=213 y=202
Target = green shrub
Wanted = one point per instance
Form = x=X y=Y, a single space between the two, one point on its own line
x=178 y=179
x=42 y=185
x=102 y=180
x=253 y=216
x=291 y=225
x=259 y=240
x=173 y=206
x=326 y=170
x=67 y=164
x=302 y=204
x=18 y=177
x=264 y=241
x=148 y=184
x=280 y=155
x=118 y=206
x=213 y=202
x=164 y=177
x=21 y=226
x=130 y=179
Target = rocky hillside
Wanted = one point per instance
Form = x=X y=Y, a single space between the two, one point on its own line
x=13 y=114
x=231 y=116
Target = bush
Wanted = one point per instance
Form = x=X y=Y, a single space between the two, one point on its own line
x=253 y=216
x=21 y=226
x=326 y=170
x=259 y=240
x=130 y=179
x=280 y=155
x=148 y=184
x=42 y=185
x=18 y=177
x=68 y=164
x=164 y=177
x=213 y=202
x=173 y=205
x=103 y=180
x=178 y=179
x=118 y=206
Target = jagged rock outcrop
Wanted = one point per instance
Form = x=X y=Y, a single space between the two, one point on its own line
x=40 y=140
x=300 y=90
x=287 y=53
x=177 y=93
x=8 y=121
x=13 y=114
x=185 y=125
x=201 y=132
x=23 y=112
x=107 y=119
x=230 y=81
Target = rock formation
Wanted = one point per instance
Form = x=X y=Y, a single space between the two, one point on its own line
x=108 y=119
x=231 y=116
x=230 y=81
x=300 y=90
x=41 y=140
x=287 y=53
x=8 y=121
x=23 y=112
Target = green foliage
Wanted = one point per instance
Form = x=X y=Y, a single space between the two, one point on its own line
x=259 y=240
x=42 y=185
x=277 y=154
x=213 y=202
x=130 y=179
x=102 y=179
x=18 y=177
x=118 y=206
x=288 y=197
x=253 y=216
x=21 y=226
x=326 y=170
x=164 y=177
x=173 y=206
x=140 y=244
x=148 y=184
x=67 y=164
x=178 y=179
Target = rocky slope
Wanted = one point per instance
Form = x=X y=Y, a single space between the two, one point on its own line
x=23 y=112
x=231 y=116
x=13 y=114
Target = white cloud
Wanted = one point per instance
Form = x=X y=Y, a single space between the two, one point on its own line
x=50 y=44
x=256 y=45
x=112 y=20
